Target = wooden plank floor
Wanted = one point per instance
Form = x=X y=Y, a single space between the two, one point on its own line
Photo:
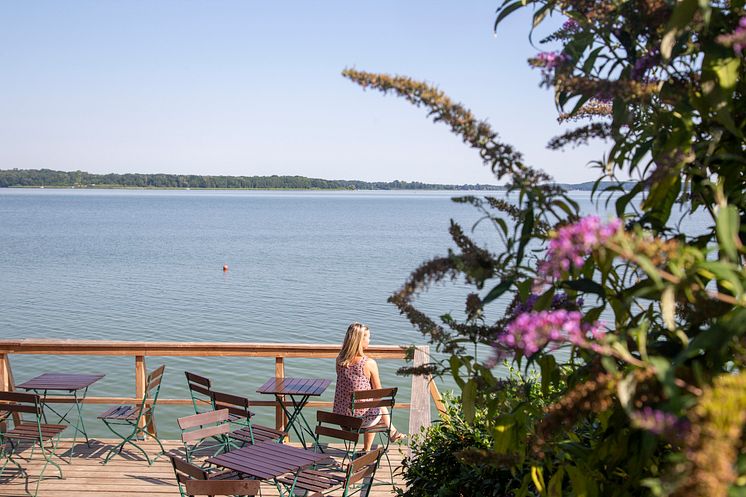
x=129 y=474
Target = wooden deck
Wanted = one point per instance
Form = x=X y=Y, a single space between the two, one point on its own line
x=130 y=474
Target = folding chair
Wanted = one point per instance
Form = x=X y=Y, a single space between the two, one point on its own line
x=249 y=432
x=318 y=484
x=135 y=421
x=344 y=429
x=379 y=398
x=195 y=429
x=199 y=391
x=186 y=472
x=34 y=431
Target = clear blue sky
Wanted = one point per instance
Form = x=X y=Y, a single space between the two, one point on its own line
x=254 y=88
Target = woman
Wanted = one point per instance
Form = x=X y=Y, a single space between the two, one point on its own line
x=355 y=371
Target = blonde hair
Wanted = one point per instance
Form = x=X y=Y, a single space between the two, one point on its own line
x=352 y=346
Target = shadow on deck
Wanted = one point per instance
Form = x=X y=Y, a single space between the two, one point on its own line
x=129 y=473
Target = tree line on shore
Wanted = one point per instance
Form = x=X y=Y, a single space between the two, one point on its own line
x=82 y=179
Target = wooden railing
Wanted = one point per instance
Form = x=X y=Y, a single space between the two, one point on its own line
x=423 y=389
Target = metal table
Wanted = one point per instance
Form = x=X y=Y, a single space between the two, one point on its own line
x=66 y=384
x=268 y=461
x=299 y=391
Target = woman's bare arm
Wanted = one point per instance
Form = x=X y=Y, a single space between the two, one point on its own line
x=375 y=379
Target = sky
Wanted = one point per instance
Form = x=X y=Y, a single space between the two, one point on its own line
x=224 y=87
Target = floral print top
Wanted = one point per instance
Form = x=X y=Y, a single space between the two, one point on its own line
x=349 y=379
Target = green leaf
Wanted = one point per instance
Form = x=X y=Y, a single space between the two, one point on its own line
x=549 y=372
x=503 y=436
x=727 y=225
x=554 y=489
x=506 y=11
x=727 y=72
x=668 y=306
x=682 y=15
x=468 y=400
x=582 y=482
x=497 y=291
x=650 y=270
x=585 y=285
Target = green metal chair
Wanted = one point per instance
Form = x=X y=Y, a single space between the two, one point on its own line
x=132 y=422
x=341 y=428
x=248 y=432
x=187 y=472
x=34 y=431
x=199 y=391
x=206 y=432
x=378 y=398
x=357 y=478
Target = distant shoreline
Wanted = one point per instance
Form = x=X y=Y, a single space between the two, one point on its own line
x=47 y=178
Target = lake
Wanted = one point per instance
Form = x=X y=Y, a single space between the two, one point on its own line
x=148 y=265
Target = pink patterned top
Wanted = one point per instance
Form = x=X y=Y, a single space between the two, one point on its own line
x=349 y=379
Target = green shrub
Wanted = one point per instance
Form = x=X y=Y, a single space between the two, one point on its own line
x=437 y=467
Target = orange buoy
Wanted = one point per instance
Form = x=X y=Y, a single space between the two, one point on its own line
x=225 y=268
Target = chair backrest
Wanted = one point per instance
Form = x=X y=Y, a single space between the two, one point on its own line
x=20 y=403
x=222 y=487
x=204 y=425
x=199 y=390
x=362 y=467
x=236 y=405
x=152 y=388
x=368 y=399
x=339 y=426
x=185 y=470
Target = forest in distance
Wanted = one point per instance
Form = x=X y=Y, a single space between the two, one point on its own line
x=47 y=178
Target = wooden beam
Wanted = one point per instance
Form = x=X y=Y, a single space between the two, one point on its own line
x=419 y=411
x=183 y=402
x=7 y=382
x=280 y=421
x=140 y=379
x=435 y=394
x=196 y=349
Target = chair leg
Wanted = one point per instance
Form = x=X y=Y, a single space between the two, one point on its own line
x=9 y=459
x=126 y=439
x=145 y=431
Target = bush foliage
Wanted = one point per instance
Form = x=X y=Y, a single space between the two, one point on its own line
x=649 y=391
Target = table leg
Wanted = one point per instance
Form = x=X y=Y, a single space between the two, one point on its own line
x=291 y=418
x=301 y=404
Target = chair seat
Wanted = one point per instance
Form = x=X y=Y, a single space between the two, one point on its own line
x=314 y=481
x=30 y=431
x=225 y=475
x=121 y=412
x=261 y=434
x=379 y=427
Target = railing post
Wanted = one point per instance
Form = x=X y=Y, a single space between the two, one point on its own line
x=6 y=380
x=140 y=378
x=419 y=410
x=279 y=413
x=435 y=394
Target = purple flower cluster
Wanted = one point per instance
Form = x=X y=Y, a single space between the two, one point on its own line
x=559 y=301
x=531 y=331
x=570 y=26
x=550 y=60
x=573 y=243
x=736 y=39
x=659 y=422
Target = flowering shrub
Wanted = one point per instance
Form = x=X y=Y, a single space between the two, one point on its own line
x=653 y=401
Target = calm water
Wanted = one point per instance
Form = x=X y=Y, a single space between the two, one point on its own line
x=147 y=265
